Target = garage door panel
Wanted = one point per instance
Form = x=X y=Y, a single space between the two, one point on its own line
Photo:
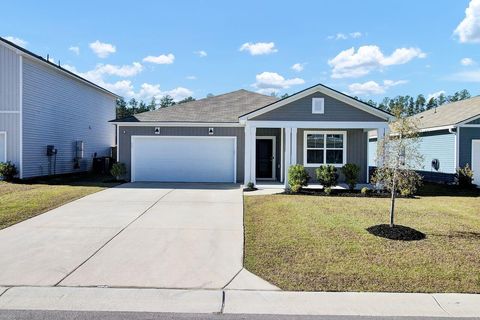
x=183 y=159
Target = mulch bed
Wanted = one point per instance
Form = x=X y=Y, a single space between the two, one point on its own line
x=397 y=232
x=344 y=193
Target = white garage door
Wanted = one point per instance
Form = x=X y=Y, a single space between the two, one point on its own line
x=184 y=159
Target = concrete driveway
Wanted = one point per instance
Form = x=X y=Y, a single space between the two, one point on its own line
x=135 y=235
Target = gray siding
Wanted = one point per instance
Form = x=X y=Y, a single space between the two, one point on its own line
x=476 y=121
x=334 y=110
x=10 y=102
x=356 y=151
x=125 y=134
x=9 y=123
x=9 y=80
x=59 y=110
x=465 y=149
x=275 y=132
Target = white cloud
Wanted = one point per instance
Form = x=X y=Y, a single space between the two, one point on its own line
x=351 y=64
x=101 y=49
x=161 y=59
x=344 y=36
x=435 y=94
x=75 y=49
x=268 y=82
x=298 y=67
x=259 y=48
x=372 y=87
x=179 y=93
x=192 y=77
x=125 y=87
x=467 y=62
x=17 y=41
x=200 y=53
x=356 y=34
x=469 y=29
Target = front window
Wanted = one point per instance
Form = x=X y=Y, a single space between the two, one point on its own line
x=324 y=148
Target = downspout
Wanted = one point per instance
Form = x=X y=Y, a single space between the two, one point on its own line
x=456 y=132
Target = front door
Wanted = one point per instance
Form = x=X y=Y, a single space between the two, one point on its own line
x=265 y=158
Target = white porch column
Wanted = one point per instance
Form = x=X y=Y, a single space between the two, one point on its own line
x=288 y=153
x=282 y=156
x=247 y=161
x=253 y=155
x=294 y=146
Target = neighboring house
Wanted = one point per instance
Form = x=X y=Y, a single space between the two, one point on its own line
x=42 y=104
x=450 y=138
x=245 y=137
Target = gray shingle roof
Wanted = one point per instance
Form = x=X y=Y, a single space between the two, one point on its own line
x=449 y=114
x=223 y=108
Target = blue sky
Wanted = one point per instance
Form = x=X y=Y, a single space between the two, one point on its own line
x=366 y=48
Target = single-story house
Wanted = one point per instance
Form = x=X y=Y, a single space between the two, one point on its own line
x=52 y=121
x=450 y=138
x=244 y=136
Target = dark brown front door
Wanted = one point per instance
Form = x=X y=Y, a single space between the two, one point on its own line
x=264 y=159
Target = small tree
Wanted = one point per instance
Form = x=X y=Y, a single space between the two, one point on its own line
x=8 y=171
x=118 y=170
x=398 y=157
x=297 y=177
x=327 y=176
x=464 y=177
x=351 y=172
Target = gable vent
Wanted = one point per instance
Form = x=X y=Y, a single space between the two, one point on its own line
x=318 y=105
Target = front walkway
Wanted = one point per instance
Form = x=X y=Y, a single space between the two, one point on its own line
x=136 y=235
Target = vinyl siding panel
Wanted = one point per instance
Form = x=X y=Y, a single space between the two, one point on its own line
x=9 y=123
x=9 y=80
x=465 y=149
x=126 y=133
x=10 y=102
x=334 y=110
x=356 y=151
x=437 y=145
x=59 y=110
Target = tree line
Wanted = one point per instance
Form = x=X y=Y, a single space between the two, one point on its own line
x=134 y=106
x=409 y=105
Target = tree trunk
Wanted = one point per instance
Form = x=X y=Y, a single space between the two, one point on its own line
x=392 y=202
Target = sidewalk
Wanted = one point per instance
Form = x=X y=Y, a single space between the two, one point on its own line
x=240 y=302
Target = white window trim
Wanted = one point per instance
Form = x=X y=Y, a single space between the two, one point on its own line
x=4 y=133
x=344 y=133
x=322 y=111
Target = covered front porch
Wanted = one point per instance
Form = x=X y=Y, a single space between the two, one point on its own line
x=271 y=147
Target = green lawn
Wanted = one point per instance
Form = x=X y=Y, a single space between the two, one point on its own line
x=320 y=243
x=23 y=200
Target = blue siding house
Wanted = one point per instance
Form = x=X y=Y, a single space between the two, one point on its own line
x=449 y=134
x=41 y=105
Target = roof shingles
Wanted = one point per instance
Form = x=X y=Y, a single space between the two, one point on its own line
x=449 y=114
x=225 y=108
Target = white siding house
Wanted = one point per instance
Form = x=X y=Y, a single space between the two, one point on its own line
x=42 y=104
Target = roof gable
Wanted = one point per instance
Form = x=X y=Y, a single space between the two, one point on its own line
x=330 y=95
